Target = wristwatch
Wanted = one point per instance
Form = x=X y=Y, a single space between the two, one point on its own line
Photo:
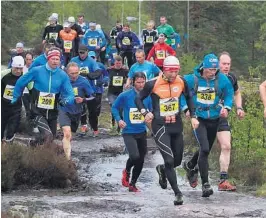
x=240 y=108
x=143 y=111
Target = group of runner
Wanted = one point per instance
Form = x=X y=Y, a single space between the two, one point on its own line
x=148 y=94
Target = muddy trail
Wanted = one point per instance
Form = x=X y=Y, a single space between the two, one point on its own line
x=100 y=163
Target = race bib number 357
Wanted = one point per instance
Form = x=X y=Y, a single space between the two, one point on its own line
x=8 y=93
x=169 y=106
x=135 y=116
x=46 y=100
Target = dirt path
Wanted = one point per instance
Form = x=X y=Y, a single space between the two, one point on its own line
x=104 y=196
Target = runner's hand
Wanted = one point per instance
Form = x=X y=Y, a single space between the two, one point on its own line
x=103 y=49
x=265 y=112
x=224 y=112
x=187 y=114
x=149 y=117
x=78 y=100
x=240 y=113
x=194 y=123
x=97 y=47
x=122 y=124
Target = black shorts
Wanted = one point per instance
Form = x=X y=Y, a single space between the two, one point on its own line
x=223 y=125
x=67 y=119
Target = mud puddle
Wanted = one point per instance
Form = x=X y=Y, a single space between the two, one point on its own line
x=100 y=163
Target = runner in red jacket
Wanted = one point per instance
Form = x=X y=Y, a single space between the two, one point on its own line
x=160 y=51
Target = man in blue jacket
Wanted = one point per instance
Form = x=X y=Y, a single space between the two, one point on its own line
x=69 y=115
x=88 y=68
x=126 y=41
x=51 y=88
x=208 y=87
x=94 y=40
x=134 y=130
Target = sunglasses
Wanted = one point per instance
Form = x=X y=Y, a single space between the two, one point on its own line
x=82 y=52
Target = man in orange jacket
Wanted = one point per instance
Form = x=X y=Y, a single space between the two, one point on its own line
x=160 y=51
x=66 y=41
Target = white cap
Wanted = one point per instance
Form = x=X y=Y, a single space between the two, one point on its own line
x=98 y=27
x=171 y=63
x=18 y=62
x=71 y=20
x=66 y=24
x=55 y=15
x=52 y=18
x=19 y=45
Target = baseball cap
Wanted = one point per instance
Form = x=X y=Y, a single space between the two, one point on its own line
x=55 y=15
x=171 y=63
x=92 y=24
x=162 y=35
x=52 y=18
x=210 y=61
x=19 y=45
x=66 y=24
x=83 y=48
x=18 y=62
x=92 y=54
x=71 y=20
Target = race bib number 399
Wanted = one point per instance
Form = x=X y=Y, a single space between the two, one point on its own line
x=135 y=116
x=8 y=93
x=169 y=106
x=160 y=54
x=206 y=95
x=117 y=81
x=46 y=100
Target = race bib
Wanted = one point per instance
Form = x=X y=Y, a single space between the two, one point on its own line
x=126 y=41
x=160 y=54
x=84 y=70
x=149 y=39
x=172 y=41
x=46 y=100
x=76 y=92
x=135 y=116
x=8 y=93
x=68 y=45
x=92 y=42
x=206 y=95
x=169 y=106
x=53 y=35
x=117 y=80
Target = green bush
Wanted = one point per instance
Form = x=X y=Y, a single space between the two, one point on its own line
x=188 y=62
x=42 y=166
x=248 y=162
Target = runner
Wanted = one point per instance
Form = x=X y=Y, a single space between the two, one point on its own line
x=223 y=132
x=94 y=40
x=209 y=87
x=51 y=87
x=149 y=36
x=26 y=94
x=149 y=69
x=160 y=51
x=79 y=31
x=19 y=52
x=166 y=91
x=134 y=130
x=89 y=69
x=166 y=29
x=126 y=41
x=175 y=41
x=52 y=30
x=114 y=33
x=263 y=95
x=11 y=113
x=118 y=76
x=82 y=23
x=69 y=115
x=67 y=41
x=94 y=105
